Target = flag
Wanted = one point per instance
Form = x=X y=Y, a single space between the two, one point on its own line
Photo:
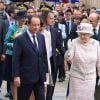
x=64 y=1
x=73 y=1
x=53 y=0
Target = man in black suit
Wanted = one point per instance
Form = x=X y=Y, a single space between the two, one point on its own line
x=8 y=22
x=2 y=10
x=70 y=26
x=2 y=49
x=30 y=62
x=94 y=20
x=54 y=42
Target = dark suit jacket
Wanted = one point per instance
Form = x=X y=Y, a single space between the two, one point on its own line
x=30 y=65
x=7 y=25
x=56 y=40
x=2 y=35
x=98 y=36
x=72 y=33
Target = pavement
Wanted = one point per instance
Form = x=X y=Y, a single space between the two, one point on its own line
x=59 y=93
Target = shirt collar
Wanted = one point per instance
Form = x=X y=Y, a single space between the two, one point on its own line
x=30 y=34
x=97 y=28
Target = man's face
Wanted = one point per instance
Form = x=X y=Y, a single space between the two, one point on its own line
x=50 y=19
x=58 y=7
x=30 y=12
x=2 y=6
x=94 y=21
x=68 y=15
x=34 y=26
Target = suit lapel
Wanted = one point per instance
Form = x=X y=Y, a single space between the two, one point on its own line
x=29 y=42
x=7 y=24
x=98 y=34
x=39 y=43
x=52 y=37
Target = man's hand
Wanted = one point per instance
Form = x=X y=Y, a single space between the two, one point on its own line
x=3 y=57
x=17 y=81
x=47 y=79
x=65 y=65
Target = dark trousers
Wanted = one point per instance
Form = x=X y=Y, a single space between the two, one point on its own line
x=25 y=90
x=67 y=94
x=60 y=66
x=97 y=90
x=8 y=87
x=1 y=72
x=50 y=89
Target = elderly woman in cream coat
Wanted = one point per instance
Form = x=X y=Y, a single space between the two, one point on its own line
x=84 y=56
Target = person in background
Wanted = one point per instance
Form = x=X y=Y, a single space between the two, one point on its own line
x=84 y=56
x=70 y=26
x=11 y=11
x=94 y=20
x=30 y=11
x=92 y=10
x=53 y=41
x=60 y=60
x=2 y=50
x=13 y=32
x=3 y=14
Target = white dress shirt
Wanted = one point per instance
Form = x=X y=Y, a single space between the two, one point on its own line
x=31 y=37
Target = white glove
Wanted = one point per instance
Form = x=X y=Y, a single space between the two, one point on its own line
x=99 y=82
x=69 y=44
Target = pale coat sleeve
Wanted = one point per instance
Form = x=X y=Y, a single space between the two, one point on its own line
x=98 y=60
x=69 y=54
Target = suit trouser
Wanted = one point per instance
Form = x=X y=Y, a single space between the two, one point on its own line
x=97 y=90
x=25 y=90
x=60 y=66
x=50 y=89
x=1 y=72
x=8 y=87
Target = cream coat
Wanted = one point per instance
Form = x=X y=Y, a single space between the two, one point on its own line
x=85 y=59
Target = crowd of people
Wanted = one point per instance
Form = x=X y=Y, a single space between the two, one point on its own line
x=39 y=45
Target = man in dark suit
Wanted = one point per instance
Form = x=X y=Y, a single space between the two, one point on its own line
x=54 y=42
x=60 y=60
x=94 y=20
x=2 y=56
x=70 y=26
x=30 y=62
x=8 y=22
x=2 y=10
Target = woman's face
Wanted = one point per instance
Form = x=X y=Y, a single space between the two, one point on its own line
x=84 y=37
x=22 y=21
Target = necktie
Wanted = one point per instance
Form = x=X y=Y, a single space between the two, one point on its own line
x=95 y=34
x=68 y=24
x=35 y=44
x=68 y=27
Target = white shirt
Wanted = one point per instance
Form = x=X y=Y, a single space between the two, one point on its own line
x=47 y=36
x=31 y=37
x=12 y=22
x=97 y=29
x=63 y=28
